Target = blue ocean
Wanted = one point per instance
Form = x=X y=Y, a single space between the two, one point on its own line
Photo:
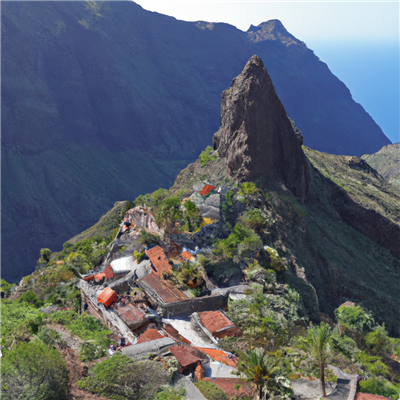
x=371 y=72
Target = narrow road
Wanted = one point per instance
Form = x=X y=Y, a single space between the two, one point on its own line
x=342 y=390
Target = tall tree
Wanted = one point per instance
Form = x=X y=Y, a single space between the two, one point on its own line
x=253 y=365
x=317 y=343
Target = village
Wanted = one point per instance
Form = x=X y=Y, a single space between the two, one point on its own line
x=152 y=316
x=148 y=315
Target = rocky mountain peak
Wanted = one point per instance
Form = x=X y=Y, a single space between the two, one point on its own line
x=256 y=136
x=272 y=30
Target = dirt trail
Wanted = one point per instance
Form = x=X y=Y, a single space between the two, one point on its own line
x=77 y=369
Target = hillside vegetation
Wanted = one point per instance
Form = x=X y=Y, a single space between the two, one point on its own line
x=286 y=297
x=387 y=162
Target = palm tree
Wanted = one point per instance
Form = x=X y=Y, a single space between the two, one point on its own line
x=317 y=344
x=253 y=365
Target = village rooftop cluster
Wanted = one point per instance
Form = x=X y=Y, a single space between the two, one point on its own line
x=156 y=317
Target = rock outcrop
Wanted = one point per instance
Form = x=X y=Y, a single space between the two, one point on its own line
x=256 y=136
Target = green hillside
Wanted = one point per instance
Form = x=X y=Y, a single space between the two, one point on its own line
x=387 y=162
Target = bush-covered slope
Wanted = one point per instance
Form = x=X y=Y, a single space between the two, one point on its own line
x=387 y=162
x=327 y=260
x=300 y=262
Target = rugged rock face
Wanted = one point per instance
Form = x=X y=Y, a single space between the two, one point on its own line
x=104 y=101
x=272 y=30
x=256 y=136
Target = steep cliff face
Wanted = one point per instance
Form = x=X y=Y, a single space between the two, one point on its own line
x=103 y=101
x=256 y=136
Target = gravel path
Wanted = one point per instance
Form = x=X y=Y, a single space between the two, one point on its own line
x=71 y=341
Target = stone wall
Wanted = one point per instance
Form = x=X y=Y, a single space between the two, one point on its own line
x=353 y=388
x=98 y=310
x=198 y=304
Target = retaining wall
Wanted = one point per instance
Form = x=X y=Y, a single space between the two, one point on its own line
x=198 y=304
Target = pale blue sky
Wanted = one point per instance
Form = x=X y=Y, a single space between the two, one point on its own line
x=358 y=40
x=320 y=20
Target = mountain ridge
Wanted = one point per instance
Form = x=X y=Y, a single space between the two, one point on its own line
x=91 y=115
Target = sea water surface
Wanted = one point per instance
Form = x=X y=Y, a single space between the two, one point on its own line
x=371 y=71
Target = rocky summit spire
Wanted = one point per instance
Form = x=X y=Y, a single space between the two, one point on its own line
x=256 y=135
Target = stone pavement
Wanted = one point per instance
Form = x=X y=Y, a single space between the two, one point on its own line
x=343 y=389
x=192 y=392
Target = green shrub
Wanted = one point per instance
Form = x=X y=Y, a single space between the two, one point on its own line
x=139 y=256
x=344 y=345
x=5 y=287
x=44 y=256
x=254 y=219
x=380 y=387
x=86 y=327
x=53 y=275
x=18 y=321
x=262 y=316
x=356 y=318
x=34 y=371
x=207 y=156
x=85 y=254
x=378 y=342
x=239 y=244
x=228 y=212
x=372 y=364
x=169 y=211
x=66 y=317
x=92 y=350
x=210 y=391
x=191 y=216
x=158 y=196
x=169 y=393
x=276 y=262
x=148 y=238
x=246 y=191
x=30 y=298
x=120 y=378
x=49 y=336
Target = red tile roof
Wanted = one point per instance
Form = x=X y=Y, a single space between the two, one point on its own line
x=164 y=289
x=149 y=335
x=158 y=259
x=187 y=356
x=186 y=255
x=132 y=316
x=107 y=297
x=219 y=325
x=174 y=333
x=207 y=189
x=221 y=356
x=365 y=396
x=99 y=277
x=108 y=272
